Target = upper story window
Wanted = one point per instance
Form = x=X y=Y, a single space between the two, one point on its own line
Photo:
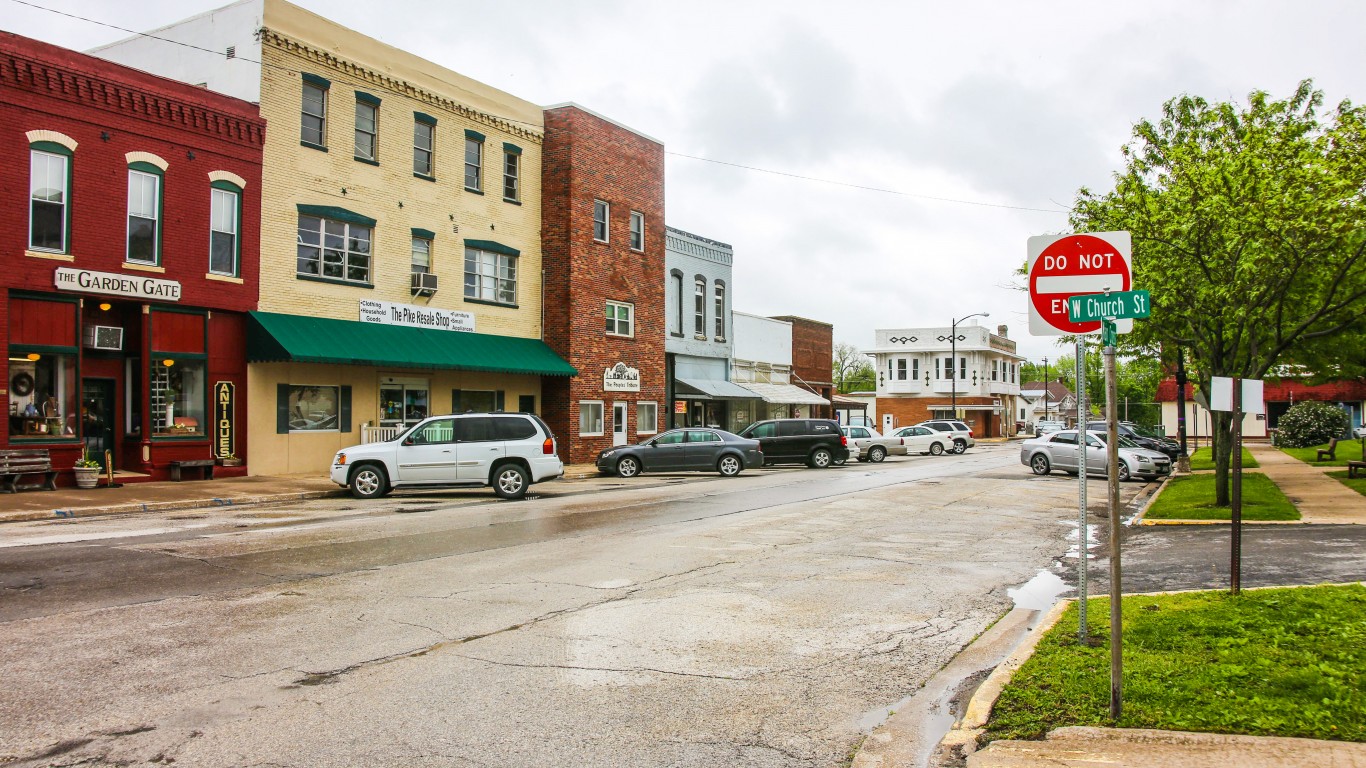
x=512 y=165
x=962 y=367
x=225 y=205
x=948 y=368
x=144 y=213
x=422 y=254
x=48 y=192
x=601 y=212
x=637 y=231
x=474 y=161
x=490 y=276
x=720 y=314
x=915 y=369
x=620 y=318
x=676 y=292
x=337 y=250
x=901 y=369
x=424 y=147
x=367 y=127
x=699 y=309
x=313 y=113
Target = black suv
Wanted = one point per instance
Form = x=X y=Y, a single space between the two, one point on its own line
x=1162 y=444
x=814 y=442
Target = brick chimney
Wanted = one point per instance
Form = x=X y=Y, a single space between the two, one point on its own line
x=1003 y=331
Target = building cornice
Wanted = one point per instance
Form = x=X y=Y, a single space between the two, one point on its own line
x=351 y=69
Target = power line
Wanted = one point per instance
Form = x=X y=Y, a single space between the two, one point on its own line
x=376 y=86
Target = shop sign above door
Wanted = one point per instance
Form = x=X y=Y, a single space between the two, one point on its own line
x=68 y=279
x=620 y=378
x=389 y=313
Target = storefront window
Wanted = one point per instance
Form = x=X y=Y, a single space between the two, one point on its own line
x=42 y=394
x=402 y=404
x=313 y=409
x=177 y=398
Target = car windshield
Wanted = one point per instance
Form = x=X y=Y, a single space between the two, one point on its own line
x=1147 y=432
x=1123 y=441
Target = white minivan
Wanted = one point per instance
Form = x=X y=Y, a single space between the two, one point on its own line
x=508 y=451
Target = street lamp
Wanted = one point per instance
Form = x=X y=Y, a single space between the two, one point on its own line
x=953 y=340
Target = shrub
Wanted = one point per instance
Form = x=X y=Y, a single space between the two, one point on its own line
x=1311 y=423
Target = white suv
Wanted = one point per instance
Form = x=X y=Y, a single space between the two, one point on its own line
x=508 y=451
x=960 y=432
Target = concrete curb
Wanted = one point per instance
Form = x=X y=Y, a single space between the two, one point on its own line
x=164 y=506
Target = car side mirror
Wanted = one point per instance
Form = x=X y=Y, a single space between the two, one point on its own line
x=407 y=441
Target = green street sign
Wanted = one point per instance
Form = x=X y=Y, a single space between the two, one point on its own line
x=1116 y=305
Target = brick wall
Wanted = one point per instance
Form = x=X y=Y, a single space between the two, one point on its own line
x=587 y=158
x=913 y=410
x=813 y=352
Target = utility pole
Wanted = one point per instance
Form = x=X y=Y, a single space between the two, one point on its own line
x=1112 y=459
x=1045 y=389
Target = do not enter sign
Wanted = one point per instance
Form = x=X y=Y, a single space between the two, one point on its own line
x=1071 y=265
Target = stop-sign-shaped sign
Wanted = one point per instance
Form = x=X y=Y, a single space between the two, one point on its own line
x=1069 y=265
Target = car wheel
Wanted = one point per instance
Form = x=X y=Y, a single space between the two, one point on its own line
x=877 y=453
x=821 y=458
x=959 y=446
x=510 y=481
x=937 y=448
x=368 y=481
x=1123 y=472
x=1040 y=464
x=629 y=466
x=729 y=466
x=840 y=462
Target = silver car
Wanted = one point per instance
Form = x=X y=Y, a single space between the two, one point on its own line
x=867 y=444
x=1058 y=450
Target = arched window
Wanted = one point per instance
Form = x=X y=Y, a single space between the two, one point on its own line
x=720 y=308
x=700 y=305
x=676 y=295
x=49 y=220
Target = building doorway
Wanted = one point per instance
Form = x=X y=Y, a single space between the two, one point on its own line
x=618 y=423
x=403 y=402
x=98 y=420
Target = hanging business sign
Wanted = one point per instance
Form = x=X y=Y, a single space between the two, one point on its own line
x=224 y=432
x=413 y=316
x=620 y=378
x=68 y=279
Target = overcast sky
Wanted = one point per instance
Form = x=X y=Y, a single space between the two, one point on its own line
x=1004 y=106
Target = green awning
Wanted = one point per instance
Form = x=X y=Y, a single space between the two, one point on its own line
x=276 y=338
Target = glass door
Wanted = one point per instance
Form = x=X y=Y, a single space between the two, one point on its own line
x=403 y=403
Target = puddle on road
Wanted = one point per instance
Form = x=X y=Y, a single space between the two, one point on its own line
x=1040 y=592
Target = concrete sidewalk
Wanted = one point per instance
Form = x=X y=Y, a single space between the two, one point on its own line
x=139 y=498
x=1320 y=499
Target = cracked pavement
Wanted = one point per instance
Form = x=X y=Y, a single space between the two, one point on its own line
x=753 y=621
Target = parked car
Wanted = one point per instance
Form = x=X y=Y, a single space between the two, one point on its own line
x=508 y=451
x=867 y=444
x=924 y=440
x=960 y=432
x=1058 y=450
x=1045 y=427
x=814 y=442
x=682 y=450
x=1145 y=439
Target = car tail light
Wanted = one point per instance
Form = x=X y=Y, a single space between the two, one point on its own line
x=969 y=433
x=548 y=447
x=844 y=441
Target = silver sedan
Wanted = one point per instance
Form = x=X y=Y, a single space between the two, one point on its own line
x=1059 y=451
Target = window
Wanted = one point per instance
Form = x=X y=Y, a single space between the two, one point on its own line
x=47 y=192
x=901 y=369
x=676 y=321
x=42 y=394
x=767 y=429
x=474 y=161
x=336 y=250
x=422 y=254
x=600 y=216
x=438 y=432
x=313 y=409
x=402 y=403
x=948 y=368
x=672 y=438
x=699 y=306
x=223 y=217
x=915 y=369
x=367 y=125
x=647 y=418
x=962 y=367
x=178 y=397
x=994 y=365
x=590 y=417
x=637 y=231
x=620 y=319
x=144 y=214
x=720 y=308
x=490 y=276
x=313 y=117
x=511 y=183
x=424 y=135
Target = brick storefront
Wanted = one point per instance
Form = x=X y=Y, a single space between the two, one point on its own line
x=813 y=352
x=590 y=159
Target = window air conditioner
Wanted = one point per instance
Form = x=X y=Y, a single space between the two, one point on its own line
x=424 y=283
x=103 y=337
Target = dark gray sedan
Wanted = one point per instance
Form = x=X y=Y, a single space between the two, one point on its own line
x=681 y=450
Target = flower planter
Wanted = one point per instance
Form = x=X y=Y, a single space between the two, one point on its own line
x=87 y=477
x=231 y=461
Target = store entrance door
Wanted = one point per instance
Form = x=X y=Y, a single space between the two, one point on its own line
x=98 y=419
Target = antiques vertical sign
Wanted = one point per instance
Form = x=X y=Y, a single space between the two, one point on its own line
x=224 y=401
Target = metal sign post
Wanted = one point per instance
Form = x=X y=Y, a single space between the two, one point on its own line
x=1236 y=553
x=1112 y=459
x=1083 y=551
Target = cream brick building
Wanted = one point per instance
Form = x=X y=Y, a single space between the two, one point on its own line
x=384 y=175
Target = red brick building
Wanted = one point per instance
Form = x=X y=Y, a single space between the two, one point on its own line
x=603 y=251
x=1278 y=395
x=813 y=354
x=130 y=244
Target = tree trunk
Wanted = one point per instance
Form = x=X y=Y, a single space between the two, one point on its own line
x=1222 y=448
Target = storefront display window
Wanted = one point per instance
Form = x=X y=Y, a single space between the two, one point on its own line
x=403 y=404
x=42 y=395
x=177 y=398
x=313 y=409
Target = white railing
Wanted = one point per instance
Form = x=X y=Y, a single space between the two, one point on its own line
x=369 y=434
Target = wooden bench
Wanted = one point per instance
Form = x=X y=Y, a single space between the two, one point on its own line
x=17 y=462
x=205 y=464
x=1330 y=452
x=1353 y=466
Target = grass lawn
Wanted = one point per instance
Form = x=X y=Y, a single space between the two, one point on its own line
x=1348 y=450
x=1192 y=498
x=1357 y=483
x=1204 y=459
x=1274 y=662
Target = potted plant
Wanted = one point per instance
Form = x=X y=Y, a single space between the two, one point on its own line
x=231 y=460
x=87 y=471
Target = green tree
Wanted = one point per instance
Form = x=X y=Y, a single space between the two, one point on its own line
x=852 y=370
x=1247 y=224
